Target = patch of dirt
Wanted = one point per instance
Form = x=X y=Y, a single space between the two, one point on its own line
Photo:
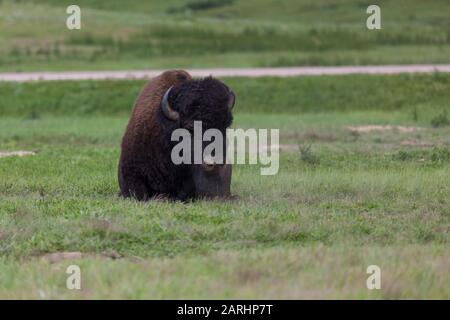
x=249 y=276
x=55 y=257
x=4 y=154
x=312 y=135
x=60 y=256
x=281 y=147
x=370 y=128
x=317 y=136
x=416 y=143
x=442 y=229
x=288 y=147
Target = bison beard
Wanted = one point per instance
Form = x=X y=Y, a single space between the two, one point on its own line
x=170 y=101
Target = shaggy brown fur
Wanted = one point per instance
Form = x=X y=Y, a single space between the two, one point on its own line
x=145 y=167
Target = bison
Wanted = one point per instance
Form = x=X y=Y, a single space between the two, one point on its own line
x=170 y=101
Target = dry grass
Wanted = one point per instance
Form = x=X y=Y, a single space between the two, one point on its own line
x=4 y=154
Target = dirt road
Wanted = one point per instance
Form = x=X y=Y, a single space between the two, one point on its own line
x=232 y=72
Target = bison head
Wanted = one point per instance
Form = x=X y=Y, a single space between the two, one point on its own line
x=210 y=102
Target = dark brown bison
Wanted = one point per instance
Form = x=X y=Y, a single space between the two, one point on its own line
x=174 y=100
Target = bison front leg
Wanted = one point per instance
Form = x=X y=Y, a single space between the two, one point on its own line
x=134 y=187
x=140 y=191
x=187 y=190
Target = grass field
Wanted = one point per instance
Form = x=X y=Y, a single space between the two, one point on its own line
x=345 y=200
x=227 y=33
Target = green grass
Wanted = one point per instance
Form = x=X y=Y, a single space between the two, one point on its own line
x=167 y=34
x=428 y=95
x=308 y=232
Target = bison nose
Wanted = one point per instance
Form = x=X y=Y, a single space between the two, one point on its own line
x=209 y=161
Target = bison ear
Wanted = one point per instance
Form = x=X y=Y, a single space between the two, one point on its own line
x=231 y=100
x=167 y=109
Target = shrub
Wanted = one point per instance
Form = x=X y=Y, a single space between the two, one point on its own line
x=307 y=155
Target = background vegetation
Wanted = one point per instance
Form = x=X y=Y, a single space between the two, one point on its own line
x=342 y=200
x=227 y=33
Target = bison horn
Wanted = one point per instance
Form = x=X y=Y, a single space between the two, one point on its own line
x=231 y=100
x=167 y=109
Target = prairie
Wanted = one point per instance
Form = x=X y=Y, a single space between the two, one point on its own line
x=366 y=182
